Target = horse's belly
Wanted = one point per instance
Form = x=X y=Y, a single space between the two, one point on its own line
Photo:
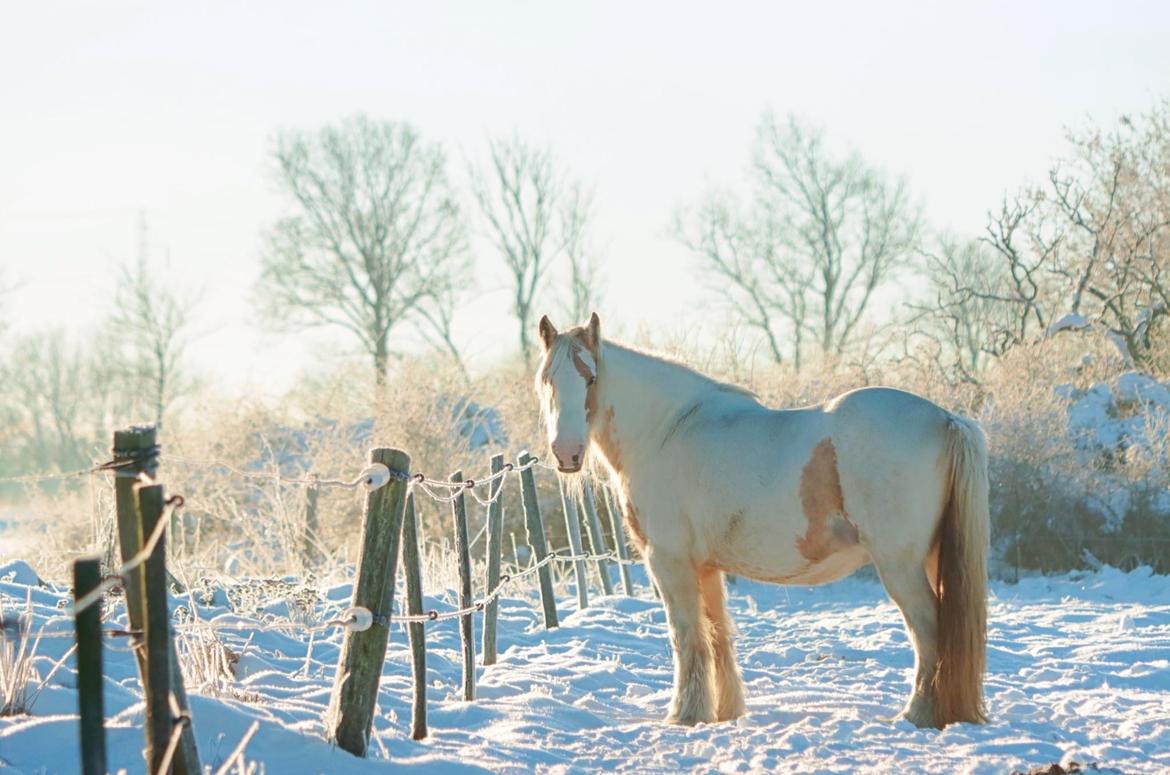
x=790 y=551
x=786 y=569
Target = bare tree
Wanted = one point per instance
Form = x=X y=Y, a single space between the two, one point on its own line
x=51 y=404
x=151 y=324
x=763 y=286
x=823 y=235
x=1091 y=245
x=533 y=216
x=436 y=318
x=966 y=305
x=1108 y=227
x=376 y=232
x=584 y=281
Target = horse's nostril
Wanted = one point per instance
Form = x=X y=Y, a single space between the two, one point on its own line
x=576 y=458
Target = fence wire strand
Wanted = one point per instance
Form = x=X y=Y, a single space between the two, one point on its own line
x=507 y=578
x=109 y=465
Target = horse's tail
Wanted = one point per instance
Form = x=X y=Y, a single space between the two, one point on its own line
x=964 y=536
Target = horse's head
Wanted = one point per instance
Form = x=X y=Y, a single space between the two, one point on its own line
x=565 y=385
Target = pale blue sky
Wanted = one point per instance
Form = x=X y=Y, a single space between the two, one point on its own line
x=113 y=107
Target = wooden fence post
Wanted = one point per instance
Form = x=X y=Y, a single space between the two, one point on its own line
x=87 y=576
x=495 y=540
x=535 y=528
x=156 y=630
x=463 y=549
x=596 y=536
x=359 y=665
x=135 y=455
x=412 y=567
x=619 y=539
x=573 y=528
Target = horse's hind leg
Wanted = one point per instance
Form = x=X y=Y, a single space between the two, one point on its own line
x=910 y=589
x=729 y=702
x=679 y=584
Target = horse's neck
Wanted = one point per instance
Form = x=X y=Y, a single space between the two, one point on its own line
x=639 y=397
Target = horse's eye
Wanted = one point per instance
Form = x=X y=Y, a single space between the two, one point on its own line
x=589 y=382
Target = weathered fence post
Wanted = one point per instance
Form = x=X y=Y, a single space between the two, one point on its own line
x=495 y=540
x=156 y=630
x=87 y=576
x=463 y=549
x=311 y=552
x=596 y=536
x=412 y=567
x=619 y=539
x=535 y=528
x=135 y=455
x=359 y=665
x=573 y=528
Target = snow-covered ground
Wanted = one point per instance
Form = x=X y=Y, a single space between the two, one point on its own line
x=1079 y=670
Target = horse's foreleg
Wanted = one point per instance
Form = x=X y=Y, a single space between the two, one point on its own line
x=910 y=589
x=679 y=584
x=729 y=702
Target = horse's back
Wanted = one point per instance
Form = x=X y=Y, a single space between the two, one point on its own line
x=891 y=450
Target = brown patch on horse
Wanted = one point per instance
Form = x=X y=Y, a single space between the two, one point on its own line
x=590 y=378
x=576 y=346
x=635 y=527
x=829 y=528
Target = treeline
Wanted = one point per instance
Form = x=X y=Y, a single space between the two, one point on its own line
x=805 y=253
x=60 y=394
x=801 y=256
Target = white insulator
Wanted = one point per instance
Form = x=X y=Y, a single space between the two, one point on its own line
x=358 y=619
x=374 y=476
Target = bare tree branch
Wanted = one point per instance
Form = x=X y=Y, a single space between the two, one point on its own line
x=376 y=235
x=534 y=214
x=822 y=237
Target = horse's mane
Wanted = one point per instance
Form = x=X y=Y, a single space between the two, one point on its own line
x=715 y=385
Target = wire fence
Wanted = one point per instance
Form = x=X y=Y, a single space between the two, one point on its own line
x=152 y=623
x=370 y=478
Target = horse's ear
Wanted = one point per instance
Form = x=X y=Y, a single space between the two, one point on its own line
x=548 y=333
x=593 y=334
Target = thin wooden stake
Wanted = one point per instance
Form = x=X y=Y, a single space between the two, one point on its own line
x=495 y=541
x=619 y=539
x=156 y=632
x=573 y=528
x=535 y=528
x=463 y=549
x=87 y=576
x=350 y=716
x=596 y=536
x=412 y=567
x=135 y=456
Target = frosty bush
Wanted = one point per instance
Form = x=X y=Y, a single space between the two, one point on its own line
x=1078 y=445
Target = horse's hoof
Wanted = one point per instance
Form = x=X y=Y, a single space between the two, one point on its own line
x=923 y=718
x=731 y=713
x=689 y=719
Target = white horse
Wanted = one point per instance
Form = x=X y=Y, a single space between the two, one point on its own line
x=709 y=480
